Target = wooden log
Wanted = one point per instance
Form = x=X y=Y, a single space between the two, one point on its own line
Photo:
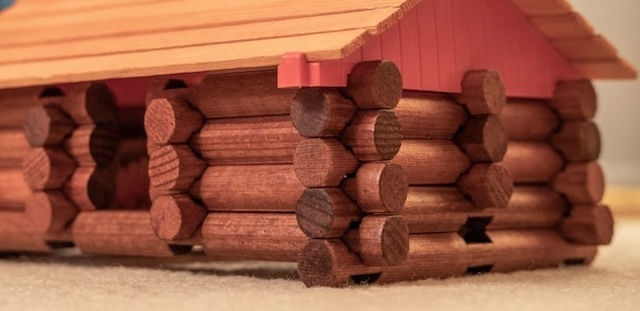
x=483 y=139
x=252 y=236
x=322 y=162
x=14 y=190
x=49 y=211
x=577 y=141
x=176 y=217
x=378 y=187
x=89 y=103
x=319 y=112
x=47 y=126
x=375 y=85
x=512 y=250
x=426 y=115
x=16 y=236
x=170 y=121
x=532 y=162
x=488 y=185
x=91 y=187
x=431 y=161
x=168 y=88
x=329 y=262
x=436 y=209
x=243 y=94
x=529 y=119
x=14 y=147
x=325 y=212
x=125 y=233
x=132 y=183
x=174 y=168
x=483 y=92
x=575 y=100
x=16 y=103
x=47 y=168
x=588 y=225
x=379 y=240
x=251 y=140
x=373 y=135
x=93 y=144
x=249 y=188
x=581 y=183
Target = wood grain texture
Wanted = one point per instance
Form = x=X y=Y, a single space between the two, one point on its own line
x=16 y=103
x=92 y=188
x=249 y=188
x=93 y=144
x=47 y=168
x=375 y=85
x=577 y=141
x=483 y=92
x=429 y=115
x=321 y=112
x=47 y=126
x=49 y=211
x=373 y=135
x=575 y=100
x=325 y=212
x=126 y=233
x=529 y=119
x=483 y=139
x=252 y=236
x=14 y=190
x=17 y=237
x=323 y=162
x=436 y=209
x=14 y=147
x=170 y=121
x=88 y=103
x=532 y=162
x=488 y=185
x=582 y=183
x=588 y=225
x=378 y=187
x=379 y=240
x=431 y=161
x=174 y=167
x=249 y=140
x=176 y=217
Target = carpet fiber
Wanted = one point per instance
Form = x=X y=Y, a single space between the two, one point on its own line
x=72 y=282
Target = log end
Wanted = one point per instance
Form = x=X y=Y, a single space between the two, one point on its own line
x=484 y=139
x=47 y=126
x=169 y=121
x=488 y=185
x=47 y=168
x=575 y=100
x=577 y=141
x=588 y=225
x=320 y=112
x=374 y=135
x=322 y=162
x=174 y=167
x=381 y=187
x=383 y=240
x=375 y=85
x=325 y=213
x=175 y=217
x=581 y=183
x=320 y=261
x=49 y=211
x=483 y=92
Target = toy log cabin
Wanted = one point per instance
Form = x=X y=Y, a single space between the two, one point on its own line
x=377 y=140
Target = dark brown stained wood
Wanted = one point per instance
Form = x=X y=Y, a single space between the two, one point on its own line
x=483 y=92
x=532 y=162
x=47 y=168
x=126 y=233
x=169 y=88
x=581 y=183
x=252 y=236
x=483 y=139
x=131 y=122
x=577 y=141
x=249 y=188
x=14 y=190
x=47 y=126
x=379 y=240
x=323 y=162
x=373 y=135
x=529 y=207
x=16 y=103
x=375 y=85
x=588 y=225
x=18 y=237
x=488 y=185
x=243 y=94
x=174 y=167
x=378 y=187
x=14 y=147
x=170 y=121
x=529 y=119
x=436 y=209
x=429 y=115
x=49 y=211
x=325 y=212
x=431 y=161
x=176 y=217
x=512 y=250
x=250 y=140
x=90 y=102
x=93 y=144
x=132 y=183
x=92 y=188
x=575 y=100
x=318 y=112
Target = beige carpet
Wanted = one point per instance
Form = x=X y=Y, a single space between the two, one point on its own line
x=71 y=282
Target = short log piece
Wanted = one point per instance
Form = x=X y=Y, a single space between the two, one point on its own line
x=47 y=168
x=483 y=92
x=577 y=141
x=174 y=168
x=92 y=187
x=378 y=187
x=483 y=139
x=16 y=103
x=575 y=100
x=320 y=112
x=93 y=144
x=90 y=103
x=47 y=126
x=170 y=121
x=428 y=162
x=14 y=147
x=49 y=211
x=375 y=85
x=529 y=119
x=532 y=162
x=326 y=212
x=176 y=217
x=14 y=190
x=373 y=135
x=323 y=162
x=588 y=225
x=582 y=183
x=426 y=115
x=488 y=185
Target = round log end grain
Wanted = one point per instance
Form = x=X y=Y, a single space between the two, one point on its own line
x=374 y=135
x=379 y=187
x=575 y=100
x=175 y=217
x=483 y=92
x=588 y=225
x=375 y=85
x=322 y=162
x=174 y=167
x=380 y=240
x=320 y=263
x=484 y=139
x=319 y=112
x=325 y=212
x=169 y=121
x=577 y=141
x=95 y=144
x=49 y=211
x=47 y=168
x=92 y=188
x=91 y=103
x=47 y=126
x=581 y=183
x=488 y=185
